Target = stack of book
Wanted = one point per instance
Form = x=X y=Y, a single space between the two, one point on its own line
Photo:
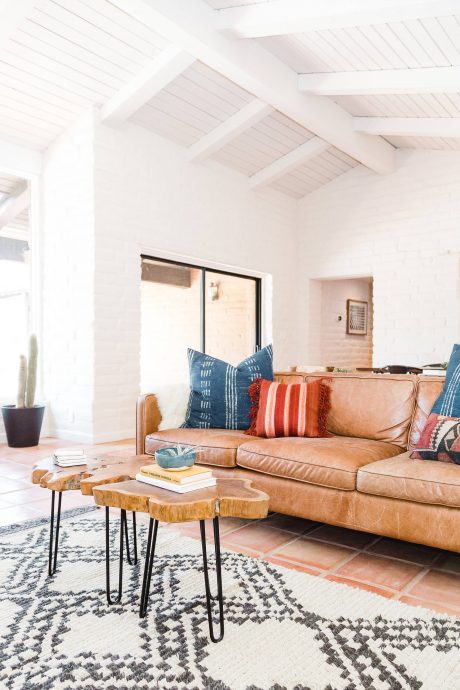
x=434 y=370
x=180 y=481
x=69 y=457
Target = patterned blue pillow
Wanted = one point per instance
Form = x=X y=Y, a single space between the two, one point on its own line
x=219 y=396
x=448 y=403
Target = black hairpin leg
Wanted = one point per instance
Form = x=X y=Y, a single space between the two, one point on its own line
x=54 y=536
x=131 y=561
x=149 y=556
x=209 y=597
x=107 y=557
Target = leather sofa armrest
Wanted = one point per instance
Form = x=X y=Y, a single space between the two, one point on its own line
x=148 y=418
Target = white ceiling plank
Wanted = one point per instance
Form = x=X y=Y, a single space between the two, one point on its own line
x=171 y=62
x=190 y=25
x=11 y=16
x=284 y=165
x=281 y=17
x=242 y=120
x=15 y=234
x=409 y=126
x=391 y=81
x=19 y=160
x=13 y=205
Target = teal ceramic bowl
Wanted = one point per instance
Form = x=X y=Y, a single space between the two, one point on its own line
x=175 y=457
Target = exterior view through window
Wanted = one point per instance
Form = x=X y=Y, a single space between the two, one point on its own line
x=190 y=306
x=14 y=285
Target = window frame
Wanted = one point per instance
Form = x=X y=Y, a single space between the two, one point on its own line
x=258 y=295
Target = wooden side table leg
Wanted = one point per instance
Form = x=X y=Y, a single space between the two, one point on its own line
x=149 y=556
x=117 y=600
x=209 y=597
x=54 y=536
x=133 y=560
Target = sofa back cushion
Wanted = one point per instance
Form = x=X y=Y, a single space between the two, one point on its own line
x=374 y=406
x=428 y=390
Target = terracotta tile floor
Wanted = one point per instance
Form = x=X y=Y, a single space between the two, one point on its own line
x=414 y=574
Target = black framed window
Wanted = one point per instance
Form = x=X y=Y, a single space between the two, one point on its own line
x=185 y=305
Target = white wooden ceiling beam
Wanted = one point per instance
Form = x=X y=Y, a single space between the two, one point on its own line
x=18 y=160
x=15 y=234
x=281 y=17
x=190 y=24
x=13 y=205
x=409 y=126
x=284 y=165
x=243 y=119
x=12 y=14
x=160 y=72
x=387 y=81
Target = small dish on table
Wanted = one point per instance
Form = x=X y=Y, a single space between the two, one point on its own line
x=175 y=458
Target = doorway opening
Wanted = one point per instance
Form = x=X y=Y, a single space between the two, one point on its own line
x=344 y=317
x=189 y=306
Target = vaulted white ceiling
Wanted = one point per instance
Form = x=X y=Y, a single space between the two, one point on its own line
x=290 y=93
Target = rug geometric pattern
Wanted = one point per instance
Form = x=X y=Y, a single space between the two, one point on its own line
x=284 y=630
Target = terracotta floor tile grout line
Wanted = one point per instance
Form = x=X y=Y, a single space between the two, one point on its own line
x=419 y=576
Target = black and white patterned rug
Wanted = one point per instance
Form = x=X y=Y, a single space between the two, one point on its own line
x=285 y=630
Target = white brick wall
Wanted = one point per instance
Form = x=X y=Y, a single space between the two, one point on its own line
x=109 y=195
x=404 y=230
x=149 y=198
x=68 y=283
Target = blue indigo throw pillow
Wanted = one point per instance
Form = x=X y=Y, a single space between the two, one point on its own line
x=448 y=403
x=219 y=397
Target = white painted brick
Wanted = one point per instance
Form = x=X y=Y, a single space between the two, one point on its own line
x=404 y=230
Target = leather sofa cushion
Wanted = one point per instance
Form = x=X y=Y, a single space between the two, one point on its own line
x=428 y=390
x=331 y=462
x=374 y=406
x=422 y=481
x=219 y=445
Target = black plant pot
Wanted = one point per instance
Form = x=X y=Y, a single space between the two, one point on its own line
x=23 y=425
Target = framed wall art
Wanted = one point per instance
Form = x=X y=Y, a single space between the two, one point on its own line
x=356 y=317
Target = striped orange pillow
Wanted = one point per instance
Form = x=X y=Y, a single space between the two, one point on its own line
x=289 y=409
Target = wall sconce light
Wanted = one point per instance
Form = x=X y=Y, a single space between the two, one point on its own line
x=213 y=291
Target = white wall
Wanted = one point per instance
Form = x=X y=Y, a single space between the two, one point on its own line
x=404 y=230
x=149 y=198
x=111 y=194
x=68 y=283
x=108 y=196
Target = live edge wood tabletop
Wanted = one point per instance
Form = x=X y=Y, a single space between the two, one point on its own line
x=229 y=498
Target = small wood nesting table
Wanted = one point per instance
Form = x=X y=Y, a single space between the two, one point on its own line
x=110 y=480
x=229 y=498
x=105 y=468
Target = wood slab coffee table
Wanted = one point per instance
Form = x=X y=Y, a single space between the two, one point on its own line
x=229 y=498
x=99 y=470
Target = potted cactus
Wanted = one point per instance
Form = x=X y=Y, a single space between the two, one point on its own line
x=23 y=421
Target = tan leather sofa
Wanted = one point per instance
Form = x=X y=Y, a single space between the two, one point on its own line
x=361 y=477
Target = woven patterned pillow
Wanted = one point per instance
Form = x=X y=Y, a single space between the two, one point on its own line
x=219 y=397
x=439 y=440
x=289 y=409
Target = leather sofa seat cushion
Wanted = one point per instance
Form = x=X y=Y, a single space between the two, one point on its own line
x=332 y=462
x=219 y=445
x=422 y=481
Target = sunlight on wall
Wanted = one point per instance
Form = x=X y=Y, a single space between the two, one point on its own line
x=14 y=317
